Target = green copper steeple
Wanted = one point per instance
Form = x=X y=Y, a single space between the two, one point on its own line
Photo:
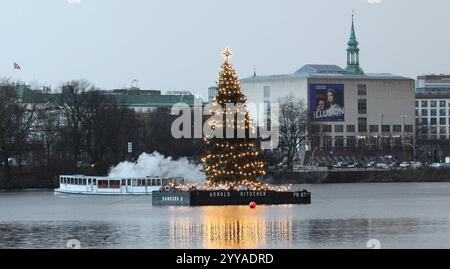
x=353 y=54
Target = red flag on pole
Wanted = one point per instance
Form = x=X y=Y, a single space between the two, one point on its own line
x=16 y=66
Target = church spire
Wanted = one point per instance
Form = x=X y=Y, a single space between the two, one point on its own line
x=353 y=53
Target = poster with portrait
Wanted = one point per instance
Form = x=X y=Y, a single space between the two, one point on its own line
x=327 y=102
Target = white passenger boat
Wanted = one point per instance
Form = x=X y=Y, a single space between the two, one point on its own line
x=78 y=184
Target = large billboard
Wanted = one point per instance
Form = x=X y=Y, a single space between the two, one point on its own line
x=327 y=102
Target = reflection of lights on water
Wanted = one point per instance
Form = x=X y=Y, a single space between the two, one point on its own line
x=230 y=227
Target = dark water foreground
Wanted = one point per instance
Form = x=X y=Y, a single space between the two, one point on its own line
x=395 y=215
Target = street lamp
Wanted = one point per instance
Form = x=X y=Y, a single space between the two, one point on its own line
x=414 y=150
x=382 y=133
x=404 y=117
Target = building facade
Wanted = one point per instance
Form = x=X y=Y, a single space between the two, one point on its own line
x=433 y=107
x=348 y=108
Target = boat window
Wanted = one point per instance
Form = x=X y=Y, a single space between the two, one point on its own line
x=103 y=184
x=134 y=182
x=114 y=184
x=124 y=182
x=84 y=181
x=94 y=181
x=129 y=182
x=89 y=181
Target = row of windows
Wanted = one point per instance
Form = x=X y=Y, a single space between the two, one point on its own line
x=432 y=121
x=362 y=91
x=362 y=127
x=350 y=142
x=431 y=112
x=129 y=182
x=434 y=130
x=432 y=103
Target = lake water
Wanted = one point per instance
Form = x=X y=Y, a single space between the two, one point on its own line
x=410 y=215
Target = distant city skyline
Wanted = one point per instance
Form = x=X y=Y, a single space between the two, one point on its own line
x=177 y=45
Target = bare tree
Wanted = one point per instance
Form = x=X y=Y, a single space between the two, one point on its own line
x=49 y=124
x=72 y=102
x=16 y=122
x=293 y=120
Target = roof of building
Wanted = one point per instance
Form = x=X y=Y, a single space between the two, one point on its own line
x=155 y=100
x=309 y=69
x=38 y=97
x=320 y=71
x=442 y=77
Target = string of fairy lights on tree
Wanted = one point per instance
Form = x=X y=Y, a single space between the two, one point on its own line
x=232 y=161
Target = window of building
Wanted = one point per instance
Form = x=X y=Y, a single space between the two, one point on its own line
x=424 y=112
x=408 y=128
x=397 y=128
x=443 y=130
x=362 y=125
x=362 y=106
x=386 y=128
x=327 y=142
x=326 y=128
x=433 y=112
x=442 y=103
x=442 y=112
x=362 y=89
x=433 y=103
x=266 y=91
x=417 y=103
x=442 y=121
x=424 y=103
x=433 y=130
x=339 y=128
x=433 y=121
x=425 y=121
x=417 y=113
x=315 y=128
x=339 y=142
x=373 y=128
x=350 y=128
x=351 y=142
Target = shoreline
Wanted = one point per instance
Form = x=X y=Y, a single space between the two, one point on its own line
x=46 y=189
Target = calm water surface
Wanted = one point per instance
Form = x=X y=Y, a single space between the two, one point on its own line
x=341 y=216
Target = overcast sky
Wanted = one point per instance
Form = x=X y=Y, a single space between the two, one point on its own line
x=176 y=44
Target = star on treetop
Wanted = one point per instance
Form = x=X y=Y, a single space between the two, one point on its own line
x=227 y=54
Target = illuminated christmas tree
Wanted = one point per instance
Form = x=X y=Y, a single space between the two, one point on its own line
x=235 y=160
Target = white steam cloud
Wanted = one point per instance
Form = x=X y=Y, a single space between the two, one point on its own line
x=156 y=164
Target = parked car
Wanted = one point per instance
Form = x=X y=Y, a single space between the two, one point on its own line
x=341 y=165
x=382 y=165
x=371 y=165
x=405 y=165
x=355 y=165
x=394 y=164
x=416 y=164
x=436 y=165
